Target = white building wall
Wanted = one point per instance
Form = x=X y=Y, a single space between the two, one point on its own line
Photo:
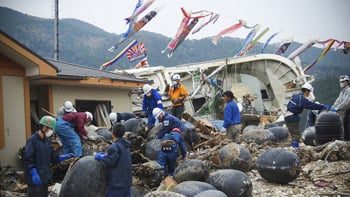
x=119 y=97
x=14 y=120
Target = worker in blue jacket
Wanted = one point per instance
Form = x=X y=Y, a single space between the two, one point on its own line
x=169 y=122
x=38 y=156
x=151 y=100
x=169 y=153
x=118 y=161
x=295 y=106
x=232 y=118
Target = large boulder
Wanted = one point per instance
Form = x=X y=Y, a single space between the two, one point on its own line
x=278 y=165
x=192 y=170
x=211 y=193
x=235 y=156
x=135 y=125
x=192 y=188
x=152 y=134
x=105 y=133
x=280 y=134
x=309 y=136
x=233 y=183
x=258 y=136
x=153 y=148
x=86 y=178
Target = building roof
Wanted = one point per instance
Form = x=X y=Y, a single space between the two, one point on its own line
x=75 y=71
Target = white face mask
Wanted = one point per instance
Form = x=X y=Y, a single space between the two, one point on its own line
x=342 y=85
x=49 y=133
x=149 y=94
x=311 y=97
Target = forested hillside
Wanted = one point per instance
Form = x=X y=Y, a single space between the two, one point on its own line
x=85 y=44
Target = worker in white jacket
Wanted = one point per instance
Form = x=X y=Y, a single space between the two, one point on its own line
x=342 y=104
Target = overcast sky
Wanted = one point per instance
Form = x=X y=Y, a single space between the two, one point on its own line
x=303 y=19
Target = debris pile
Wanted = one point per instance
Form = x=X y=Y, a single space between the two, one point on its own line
x=323 y=170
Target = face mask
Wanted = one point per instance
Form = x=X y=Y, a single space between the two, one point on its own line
x=311 y=97
x=49 y=133
x=342 y=85
x=148 y=94
x=174 y=83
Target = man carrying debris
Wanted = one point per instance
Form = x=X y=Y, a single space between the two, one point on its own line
x=66 y=108
x=118 y=161
x=151 y=100
x=232 y=117
x=116 y=117
x=169 y=122
x=168 y=155
x=295 y=106
x=342 y=104
x=39 y=154
x=177 y=94
x=69 y=127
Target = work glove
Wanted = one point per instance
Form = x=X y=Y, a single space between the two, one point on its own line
x=100 y=155
x=327 y=107
x=333 y=109
x=65 y=156
x=85 y=137
x=35 y=176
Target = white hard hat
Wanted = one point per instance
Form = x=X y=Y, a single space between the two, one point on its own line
x=156 y=112
x=307 y=86
x=176 y=77
x=89 y=115
x=147 y=88
x=343 y=78
x=68 y=107
x=113 y=117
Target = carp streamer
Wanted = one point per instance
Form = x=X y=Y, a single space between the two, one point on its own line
x=268 y=41
x=329 y=45
x=252 y=44
x=247 y=40
x=227 y=31
x=118 y=56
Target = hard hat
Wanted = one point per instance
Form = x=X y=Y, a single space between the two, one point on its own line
x=156 y=112
x=113 y=117
x=343 y=78
x=147 y=88
x=48 y=121
x=307 y=86
x=89 y=115
x=176 y=77
x=68 y=107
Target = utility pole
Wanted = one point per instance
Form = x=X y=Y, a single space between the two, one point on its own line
x=55 y=30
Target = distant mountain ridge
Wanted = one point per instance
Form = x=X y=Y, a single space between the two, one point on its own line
x=85 y=44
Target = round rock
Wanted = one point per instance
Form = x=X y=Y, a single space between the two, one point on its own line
x=163 y=194
x=278 y=165
x=153 y=148
x=232 y=182
x=279 y=133
x=192 y=170
x=211 y=193
x=105 y=133
x=250 y=127
x=89 y=171
x=257 y=136
x=192 y=188
x=309 y=136
x=235 y=156
x=154 y=131
x=134 y=125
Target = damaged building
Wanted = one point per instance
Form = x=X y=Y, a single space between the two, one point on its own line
x=30 y=84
